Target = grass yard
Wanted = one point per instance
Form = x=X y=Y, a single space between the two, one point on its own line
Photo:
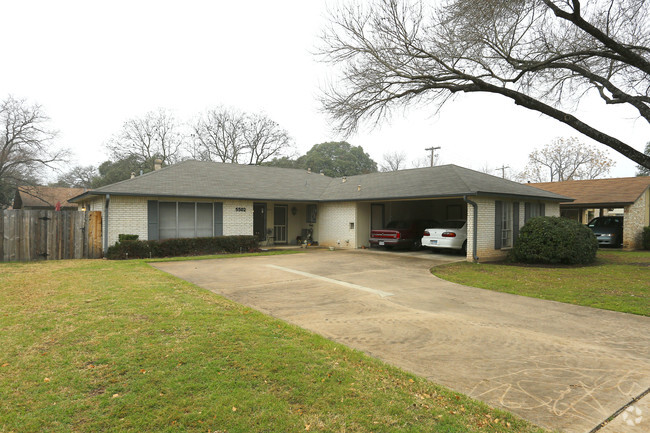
x=619 y=280
x=118 y=346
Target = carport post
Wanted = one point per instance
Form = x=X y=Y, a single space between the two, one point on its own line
x=474 y=229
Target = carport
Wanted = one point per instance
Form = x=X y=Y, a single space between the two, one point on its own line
x=601 y=197
x=441 y=209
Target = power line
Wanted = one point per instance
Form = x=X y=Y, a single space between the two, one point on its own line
x=503 y=170
x=432 y=149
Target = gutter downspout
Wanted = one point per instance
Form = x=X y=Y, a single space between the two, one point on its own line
x=475 y=228
x=106 y=204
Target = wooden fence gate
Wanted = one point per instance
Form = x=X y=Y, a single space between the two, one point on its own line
x=27 y=235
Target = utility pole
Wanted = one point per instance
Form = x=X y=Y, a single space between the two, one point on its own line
x=432 y=149
x=503 y=170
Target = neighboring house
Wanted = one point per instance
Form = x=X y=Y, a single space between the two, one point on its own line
x=604 y=196
x=282 y=205
x=45 y=198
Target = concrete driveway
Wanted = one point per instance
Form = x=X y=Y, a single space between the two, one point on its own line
x=560 y=366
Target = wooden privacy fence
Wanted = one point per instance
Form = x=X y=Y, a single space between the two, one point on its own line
x=27 y=235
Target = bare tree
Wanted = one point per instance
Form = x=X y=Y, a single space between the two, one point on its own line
x=393 y=161
x=155 y=135
x=423 y=161
x=566 y=159
x=228 y=135
x=78 y=177
x=218 y=135
x=544 y=55
x=26 y=145
x=264 y=139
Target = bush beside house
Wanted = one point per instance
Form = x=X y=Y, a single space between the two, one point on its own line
x=646 y=238
x=129 y=248
x=555 y=240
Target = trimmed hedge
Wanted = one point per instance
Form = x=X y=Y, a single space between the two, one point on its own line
x=554 y=240
x=136 y=249
x=646 y=238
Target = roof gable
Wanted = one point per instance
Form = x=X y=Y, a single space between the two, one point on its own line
x=46 y=196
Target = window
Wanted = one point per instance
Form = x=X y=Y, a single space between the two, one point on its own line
x=168 y=220
x=506 y=225
x=532 y=210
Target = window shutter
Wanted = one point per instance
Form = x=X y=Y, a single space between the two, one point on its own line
x=526 y=212
x=542 y=209
x=515 y=221
x=218 y=219
x=498 y=216
x=152 y=218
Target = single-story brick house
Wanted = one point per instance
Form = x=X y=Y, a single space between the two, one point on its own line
x=279 y=205
x=597 y=197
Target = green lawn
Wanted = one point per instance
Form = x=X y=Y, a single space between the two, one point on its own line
x=118 y=346
x=619 y=280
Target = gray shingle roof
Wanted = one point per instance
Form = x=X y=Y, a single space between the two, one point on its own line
x=440 y=181
x=200 y=179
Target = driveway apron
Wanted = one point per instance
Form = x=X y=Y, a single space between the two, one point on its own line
x=560 y=366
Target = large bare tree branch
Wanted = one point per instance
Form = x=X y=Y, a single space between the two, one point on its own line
x=542 y=54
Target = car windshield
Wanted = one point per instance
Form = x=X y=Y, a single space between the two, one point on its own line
x=606 y=222
x=452 y=224
x=398 y=225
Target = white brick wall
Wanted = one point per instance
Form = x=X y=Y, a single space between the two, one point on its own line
x=237 y=222
x=334 y=224
x=127 y=215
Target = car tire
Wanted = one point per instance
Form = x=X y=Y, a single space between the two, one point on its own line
x=463 y=249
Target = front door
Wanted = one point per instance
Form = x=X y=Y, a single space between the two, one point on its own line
x=259 y=221
x=280 y=223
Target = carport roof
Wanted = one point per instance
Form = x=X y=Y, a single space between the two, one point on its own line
x=200 y=179
x=599 y=192
x=430 y=182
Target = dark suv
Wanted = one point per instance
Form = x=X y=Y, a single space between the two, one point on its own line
x=608 y=230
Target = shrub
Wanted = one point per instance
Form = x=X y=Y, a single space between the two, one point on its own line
x=136 y=249
x=554 y=240
x=123 y=237
x=646 y=238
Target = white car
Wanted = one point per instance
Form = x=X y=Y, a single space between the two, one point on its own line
x=451 y=234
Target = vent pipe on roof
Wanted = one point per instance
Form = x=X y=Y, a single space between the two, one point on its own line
x=345 y=179
x=132 y=174
x=321 y=173
x=358 y=187
x=157 y=164
x=309 y=170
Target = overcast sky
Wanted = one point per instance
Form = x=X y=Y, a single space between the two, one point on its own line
x=93 y=65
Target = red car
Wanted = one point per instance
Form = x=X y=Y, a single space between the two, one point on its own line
x=400 y=234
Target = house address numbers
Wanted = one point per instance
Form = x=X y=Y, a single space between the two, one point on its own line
x=240 y=209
